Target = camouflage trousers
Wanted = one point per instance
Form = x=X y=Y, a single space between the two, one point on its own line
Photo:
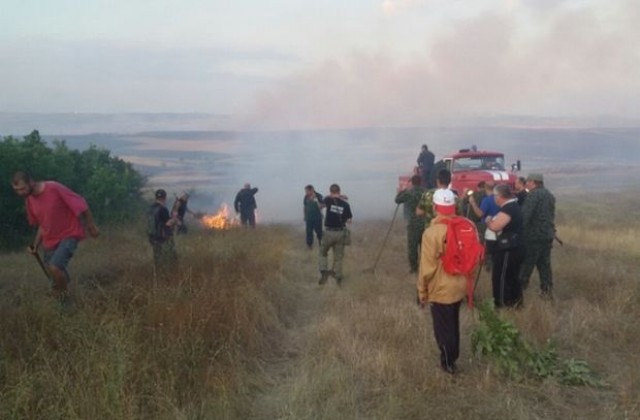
x=414 y=239
x=332 y=239
x=537 y=254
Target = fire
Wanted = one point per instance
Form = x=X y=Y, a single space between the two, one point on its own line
x=220 y=220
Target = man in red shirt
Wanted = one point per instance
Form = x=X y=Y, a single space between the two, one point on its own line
x=57 y=211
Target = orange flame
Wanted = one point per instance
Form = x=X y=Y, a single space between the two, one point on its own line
x=220 y=220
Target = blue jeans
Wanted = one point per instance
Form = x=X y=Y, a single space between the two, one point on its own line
x=61 y=255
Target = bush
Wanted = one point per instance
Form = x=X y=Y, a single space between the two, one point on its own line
x=110 y=185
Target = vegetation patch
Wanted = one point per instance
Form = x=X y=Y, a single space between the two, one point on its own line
x=502 y=342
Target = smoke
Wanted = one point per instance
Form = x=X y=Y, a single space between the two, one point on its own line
x=391 y=7
x=556 y=61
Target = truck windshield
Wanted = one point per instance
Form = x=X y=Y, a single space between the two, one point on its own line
x=495 y=163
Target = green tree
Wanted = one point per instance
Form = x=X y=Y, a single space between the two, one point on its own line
x=110 y=185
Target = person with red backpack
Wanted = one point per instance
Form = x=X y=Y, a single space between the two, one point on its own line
x=450 y=254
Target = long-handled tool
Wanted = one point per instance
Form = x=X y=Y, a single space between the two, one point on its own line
x=372 y=270
x=58 y=284
x=38 y=258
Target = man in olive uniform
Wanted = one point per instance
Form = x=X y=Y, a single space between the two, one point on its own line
x=538 y=214
x=415 y=226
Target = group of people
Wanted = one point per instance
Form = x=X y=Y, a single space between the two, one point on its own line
x=163 y=223
x=63 y=216
x=335 y=235
x=518 y=234
x=518 y=230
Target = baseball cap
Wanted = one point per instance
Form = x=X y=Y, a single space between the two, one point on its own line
x=445 y=201
x=535 y=177
x=161 y=193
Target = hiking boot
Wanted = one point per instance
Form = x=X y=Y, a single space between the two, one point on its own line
x=546 y=294
x=324 y=276
x=450 y=369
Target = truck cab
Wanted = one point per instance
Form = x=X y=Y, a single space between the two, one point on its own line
x=470 y=166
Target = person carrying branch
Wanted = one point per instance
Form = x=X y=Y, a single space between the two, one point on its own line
x=61 y=216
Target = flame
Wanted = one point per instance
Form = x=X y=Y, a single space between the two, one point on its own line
x=220 y=220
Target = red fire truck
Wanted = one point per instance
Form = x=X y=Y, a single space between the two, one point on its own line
x=470 y=166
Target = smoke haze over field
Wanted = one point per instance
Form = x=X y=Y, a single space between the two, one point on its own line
x=210 y=95
x=561 y=61
x=305 y=65
x=366 y=163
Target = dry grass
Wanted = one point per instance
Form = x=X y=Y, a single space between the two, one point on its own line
x=244 y=331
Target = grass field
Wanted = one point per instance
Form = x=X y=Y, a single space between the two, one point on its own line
x=242 y=330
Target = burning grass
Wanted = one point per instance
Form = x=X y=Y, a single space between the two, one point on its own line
x=242 y=330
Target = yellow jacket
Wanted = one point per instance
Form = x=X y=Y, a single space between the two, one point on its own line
x=434 y=284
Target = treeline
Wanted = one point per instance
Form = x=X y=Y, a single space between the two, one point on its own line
x=110 y=185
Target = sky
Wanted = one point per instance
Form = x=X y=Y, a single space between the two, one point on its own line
x=323 y=64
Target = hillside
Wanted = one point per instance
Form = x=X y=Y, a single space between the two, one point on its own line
x=244 y=331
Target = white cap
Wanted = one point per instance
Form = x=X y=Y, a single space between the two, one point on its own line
x=445 y=201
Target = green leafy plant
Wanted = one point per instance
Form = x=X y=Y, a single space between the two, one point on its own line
x=499 y=340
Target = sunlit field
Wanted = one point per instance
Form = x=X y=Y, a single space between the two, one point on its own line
x=241 y=329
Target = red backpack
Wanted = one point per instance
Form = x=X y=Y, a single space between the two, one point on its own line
x=463 y=251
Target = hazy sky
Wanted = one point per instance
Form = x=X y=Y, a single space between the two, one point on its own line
x=330 y=63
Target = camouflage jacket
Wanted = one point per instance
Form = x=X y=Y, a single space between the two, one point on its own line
x=426 y=204
x=411 y=198
x=538 y=215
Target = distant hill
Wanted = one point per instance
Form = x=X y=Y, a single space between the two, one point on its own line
x=85 y=123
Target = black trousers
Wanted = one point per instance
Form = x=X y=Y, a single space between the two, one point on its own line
x=314 y=226
x=446 y=328
x=507 y=289
x=248 y=218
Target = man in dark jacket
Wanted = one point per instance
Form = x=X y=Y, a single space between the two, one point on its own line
x=312 y=209
x=245 y=204
x=425 y=163
x=161 y=223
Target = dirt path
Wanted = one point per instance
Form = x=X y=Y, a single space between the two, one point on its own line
x=315 y=303
x=301 y=273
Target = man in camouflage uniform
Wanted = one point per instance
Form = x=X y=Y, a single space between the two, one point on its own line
x=538 y=214
x=415 y=226
x=425 y=206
